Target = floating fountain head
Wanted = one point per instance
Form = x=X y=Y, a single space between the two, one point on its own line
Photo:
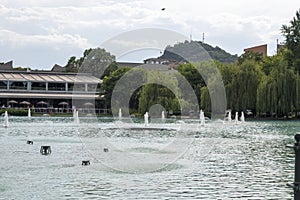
x=120 y=113
x=45 y=150
x=29 y=113
x=29 y=142
x=85 y=162
x=202 y=118
x=5 y=123
x=242 y=117
x=236 y=119
x=146 y=119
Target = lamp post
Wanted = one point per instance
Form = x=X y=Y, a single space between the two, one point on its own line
x=296 y=184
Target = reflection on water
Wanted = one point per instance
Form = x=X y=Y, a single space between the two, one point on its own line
x=224 y=161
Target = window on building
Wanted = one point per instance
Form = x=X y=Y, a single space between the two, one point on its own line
x=92 y=87
x=38 y=86
x=57 y=86
x=17 y=85
x=3 y=84
x=76 y=87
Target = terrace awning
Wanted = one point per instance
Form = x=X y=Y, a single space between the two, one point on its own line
x=48 y=77
x=47 y=96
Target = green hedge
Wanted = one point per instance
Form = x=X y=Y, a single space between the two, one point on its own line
x=16 y=112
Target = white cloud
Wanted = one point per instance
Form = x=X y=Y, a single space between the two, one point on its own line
x=16 y=40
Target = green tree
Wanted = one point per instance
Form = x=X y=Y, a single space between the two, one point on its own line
x=229 y=73
x=277 y=92
x=205 y=100
x=193 y=77
x=95 y=61
x=291 y=33
x=109 y=83
x=111 y=68
x=165 y=93
x=72 y=65
x=241 y=90
x=249 y=55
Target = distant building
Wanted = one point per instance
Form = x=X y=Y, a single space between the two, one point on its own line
x=172 y=64
x=261 y=49
x=58 y=68
x=6 y=66
x=50 y=90
x=158 y=61
x=128 y=64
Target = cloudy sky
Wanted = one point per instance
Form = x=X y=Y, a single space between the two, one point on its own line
x=40 y=33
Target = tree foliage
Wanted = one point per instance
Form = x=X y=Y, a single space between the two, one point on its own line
x=292 y=40
x=94 y=61
x=277 y=92
x=110 y=81
x=196 y=51
x=164 y=92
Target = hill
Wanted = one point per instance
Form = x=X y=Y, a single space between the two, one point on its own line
x=196 y=51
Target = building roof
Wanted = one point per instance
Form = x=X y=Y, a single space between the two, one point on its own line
x=128 y=64
x=49 y=95
x=258 y=49
x=47 y=77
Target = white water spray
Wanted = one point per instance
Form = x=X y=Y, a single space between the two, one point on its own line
x=202 y=118
x=146 y=119
x=5 y=123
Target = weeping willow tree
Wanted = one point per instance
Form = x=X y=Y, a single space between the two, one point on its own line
x=277 y=93
x=162 y=89
x=241 y=83
x=248 y=80
x=205 y=100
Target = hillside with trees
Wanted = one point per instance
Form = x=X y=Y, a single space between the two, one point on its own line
x=197 y=51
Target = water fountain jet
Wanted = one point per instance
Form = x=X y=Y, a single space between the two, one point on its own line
x=162 y=115
x=229 y=116
x=5 y=123
x=146 y=119
x=236 y=119
x=74 y=113
x=77 y=117
x=242 y=117
x=120 y=114
x=202 y=118
x=29 y=113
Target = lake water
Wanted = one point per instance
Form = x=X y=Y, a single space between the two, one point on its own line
x=221 y=161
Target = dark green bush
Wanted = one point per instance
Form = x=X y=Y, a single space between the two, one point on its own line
x=15 y=112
